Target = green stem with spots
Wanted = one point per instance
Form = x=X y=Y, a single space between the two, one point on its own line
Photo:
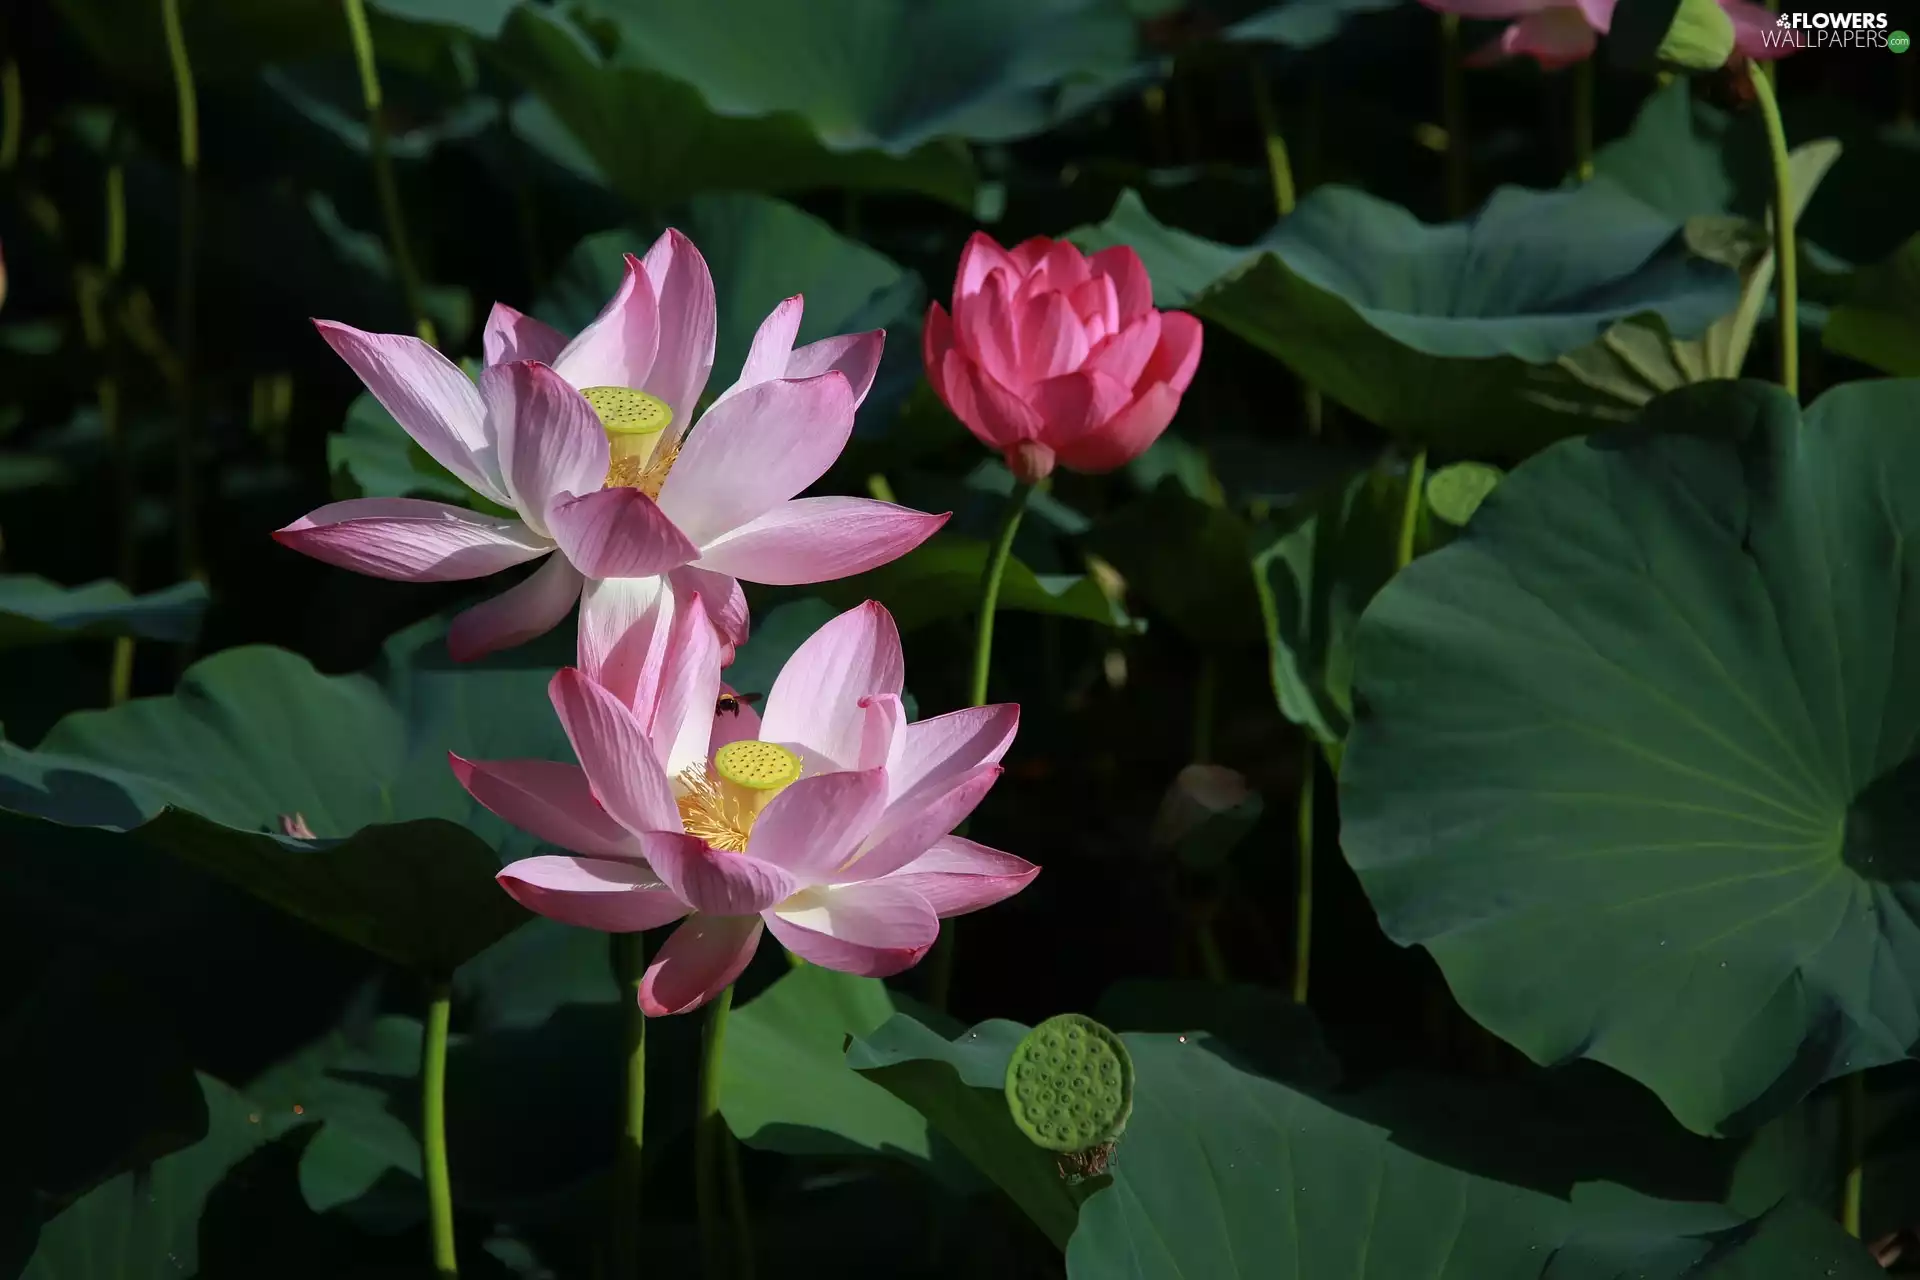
x=1410 y=510
x=433 y=1128
x=630 y=966
x=1786 y=277
x=384 y=185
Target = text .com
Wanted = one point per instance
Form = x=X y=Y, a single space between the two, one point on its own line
x=1828 y=31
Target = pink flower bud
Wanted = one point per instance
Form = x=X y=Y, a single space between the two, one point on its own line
x=1063 y=352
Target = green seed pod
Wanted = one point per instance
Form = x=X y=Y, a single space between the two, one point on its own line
x=1679 y=35
x=1070 y=1084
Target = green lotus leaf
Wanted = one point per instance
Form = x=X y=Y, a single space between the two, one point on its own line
x=657 y=138
x=1635 y=756
x=1444 y=335
x=887 y=75
x=35 y=611
x=1303 y=24
x=1878 y=323
x=786 y=1085
x=256 y=743
x=1225 y=1172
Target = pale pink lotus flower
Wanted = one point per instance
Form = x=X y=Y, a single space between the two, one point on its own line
x=1052 y=357
x=1557 y=33
x=826 y=820
x=587 y=441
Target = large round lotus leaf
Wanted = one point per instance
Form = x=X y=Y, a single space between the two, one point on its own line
x=328 y=796
x=1441 y=334
x=1226 y=1173
x=886 y=74
x=1635 y=755
x=654 y=138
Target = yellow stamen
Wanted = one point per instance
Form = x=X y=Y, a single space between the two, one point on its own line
x=636 y=426
x=719 y=804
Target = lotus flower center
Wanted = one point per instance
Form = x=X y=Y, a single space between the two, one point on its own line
x=718 y=803
x=636 y=424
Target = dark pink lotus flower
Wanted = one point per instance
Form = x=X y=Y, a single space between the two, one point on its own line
x=1050 y=356
x=826 y=821
x=587 y=441
x=1559 y=33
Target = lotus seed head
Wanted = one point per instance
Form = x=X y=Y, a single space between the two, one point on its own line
x=1069 y=1084
x=626 y=411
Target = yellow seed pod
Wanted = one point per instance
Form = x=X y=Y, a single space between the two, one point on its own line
x=623 y=411
x=755 y=765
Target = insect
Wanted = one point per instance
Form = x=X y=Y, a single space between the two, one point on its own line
x=730 y=703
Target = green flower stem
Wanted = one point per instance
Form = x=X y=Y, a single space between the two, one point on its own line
x=1786 y=277
x=185 y=478
x=1285 y=196
x=95 y=301
x=433 y=1128
x=630 y=966
x=1853 y=1123
x=709 y=1131
x=940 y=963
x=1303 y=891
x=1453 y=114
x=12 y=111
x=990 y=589
x=389 y=193
x=1410 y=511
x=1583 y=119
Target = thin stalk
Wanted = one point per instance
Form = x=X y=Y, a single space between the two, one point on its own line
x=433 y=1128
x=388 y=191
x=1279 y=164
x=1786 y=278
x=708 y=1131
x=1303 y=890
x=1853 y=1123
x=630 y=966
x=1410 y=511
x=186 y=487
x=1583 y=119
x=107 y=391
x=1453 y=114
x=940 y=963
x=12 y=114
x=1206 y=689
x=990 y=588
x=1280 y=173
